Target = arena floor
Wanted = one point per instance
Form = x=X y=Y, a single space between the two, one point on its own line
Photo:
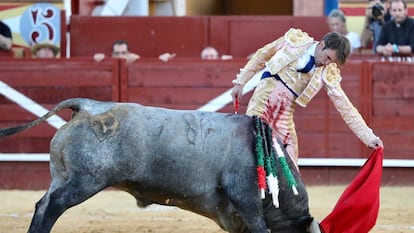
x=116 y=212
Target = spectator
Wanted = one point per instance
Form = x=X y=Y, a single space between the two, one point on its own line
x=119 y=50
x=210 y=53
x=5 y=37
x=376 y=14
x=45 y=49
x=397 y=36
x=166 y=56
x=293 y=69
x=337 y=23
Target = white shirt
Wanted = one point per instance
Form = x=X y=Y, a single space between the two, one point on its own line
x=304 y=59
x=354 y=40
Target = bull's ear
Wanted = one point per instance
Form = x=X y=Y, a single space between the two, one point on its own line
x=314 y=227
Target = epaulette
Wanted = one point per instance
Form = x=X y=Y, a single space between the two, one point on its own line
x=332 y=75
x=297 y=38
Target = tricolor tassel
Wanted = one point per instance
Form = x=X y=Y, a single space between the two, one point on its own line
x=285 y=167
x=272 y=181
x=261 y=180
x=261 y=173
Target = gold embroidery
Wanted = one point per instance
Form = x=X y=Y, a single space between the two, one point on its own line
x=332 y=75
x=311 y=89
x=292 y=45
x=297 y=38
x=351 y=116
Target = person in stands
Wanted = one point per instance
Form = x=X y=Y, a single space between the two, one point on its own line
x=120 y=49
x=45 y=49
x=376 y=15
x=6 y=38
x=210 y=53
x=397 y=36
x=337 y=23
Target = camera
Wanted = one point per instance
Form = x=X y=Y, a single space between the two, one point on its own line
x=377 y=10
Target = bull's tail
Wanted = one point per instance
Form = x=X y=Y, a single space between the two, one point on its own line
x=73 y=104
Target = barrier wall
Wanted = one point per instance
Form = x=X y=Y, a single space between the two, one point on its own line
x=46 y=83
x=180 y=83
x=192 y=83
x=320 y=122
x=147 y=36
x=382 y=92
x=242 y=35
x=186 y=36
x=393 y=107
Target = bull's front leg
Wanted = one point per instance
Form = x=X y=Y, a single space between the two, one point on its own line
x=60 y=197
x=45 y=216
x=232 y=221
x=255 y=223
x=246 y=200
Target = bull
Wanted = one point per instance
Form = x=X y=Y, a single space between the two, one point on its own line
x=203 y=162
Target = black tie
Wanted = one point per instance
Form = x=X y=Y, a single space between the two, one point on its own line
x=308 y=66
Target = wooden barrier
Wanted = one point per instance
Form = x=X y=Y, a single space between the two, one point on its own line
x=393 y=111
x=47 y=82
x=381 y=91
x=191 y=83
x=240 y=36
x=147 y=36
x=6 y=54
x=186 y=36
x=177 y=84
x=180 y=83
x=320 y=121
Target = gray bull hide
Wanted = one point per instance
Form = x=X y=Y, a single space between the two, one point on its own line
x=203 y=162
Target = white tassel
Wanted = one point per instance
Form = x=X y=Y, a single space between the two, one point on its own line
x=295 y=191
x=273 y=184
x=279 y=150
x=262 y=193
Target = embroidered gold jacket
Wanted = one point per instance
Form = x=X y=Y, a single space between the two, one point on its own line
x=281 y=56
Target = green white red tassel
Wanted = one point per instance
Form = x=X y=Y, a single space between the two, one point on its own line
x=271 y=172
x=269 y=152
x=285 y=167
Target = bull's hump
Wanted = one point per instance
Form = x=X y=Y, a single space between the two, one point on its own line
x=103 y=118
x=95 y=108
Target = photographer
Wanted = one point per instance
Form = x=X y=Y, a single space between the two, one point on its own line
x=376 y=14
x=397 y=36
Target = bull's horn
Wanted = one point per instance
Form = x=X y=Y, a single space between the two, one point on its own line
x=314 y=227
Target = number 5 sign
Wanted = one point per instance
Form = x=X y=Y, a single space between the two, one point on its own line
x=40 y=22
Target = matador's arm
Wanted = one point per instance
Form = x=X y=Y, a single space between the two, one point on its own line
x=346 y=109
x=257 y=62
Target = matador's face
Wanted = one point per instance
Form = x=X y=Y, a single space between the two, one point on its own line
x=325 y=56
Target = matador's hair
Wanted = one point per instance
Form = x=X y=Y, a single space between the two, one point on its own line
x=340 y=44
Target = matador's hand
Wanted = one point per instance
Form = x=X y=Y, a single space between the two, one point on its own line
x=373 y=144
x=237 y=92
